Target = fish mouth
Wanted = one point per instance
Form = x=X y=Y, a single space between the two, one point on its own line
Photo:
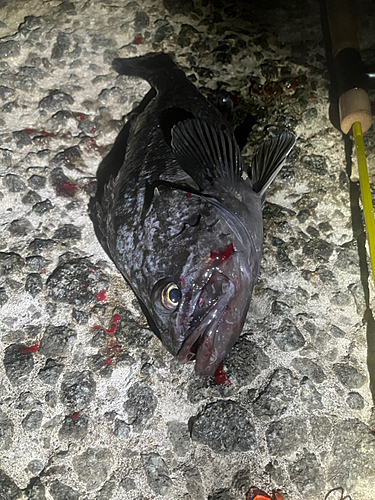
x=208 y=335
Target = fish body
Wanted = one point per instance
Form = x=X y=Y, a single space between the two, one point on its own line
x=177 y=216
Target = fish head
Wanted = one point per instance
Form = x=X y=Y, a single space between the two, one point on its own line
x=201 y=267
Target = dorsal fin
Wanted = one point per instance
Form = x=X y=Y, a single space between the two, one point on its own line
x=206 y=152
x=269 y=159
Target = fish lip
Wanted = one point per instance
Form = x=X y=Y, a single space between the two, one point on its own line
x=206 y=361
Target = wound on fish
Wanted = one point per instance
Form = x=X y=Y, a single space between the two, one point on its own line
x=224 y=255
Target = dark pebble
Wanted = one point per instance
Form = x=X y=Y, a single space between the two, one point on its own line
x=156 y=472
x=246 y=361
x=9 y=490
x=106 y=492
x=179 y=436
x=80 y=316
x=141 y=20
x=286 y=435
x=74 y=429
x=34 y=284
x=309 y=368
x=6 y=92
x=69 y=157
x=17 y=366
x=35 y=262
x=320 y=429
x=32 y=421
x=326 y=276
x=164 y=31
x=277 y=397
x=352 y=439
x=76 y=282
x=56 y=341
x=35 y=490
x=337 y=332
x=3 y=296
x=288 y=337
x=14 y=183
x=51 y=399
x=58 y=119
x=60 y=491
x=355 y=401
x=309 y=395
x=121 y=429
x=349 y=376
x=221 y=494
x=279 y=308
x=128 y=484
x=42 y=207
x=39 y=244
x=93 y=466
x=31 y=197
x=131 y=333
x=319 y=250
x=22 y=138
x=224 y=426
x=55 y=100
x=78 y=389
x=67 y=232
x=35 y=467
x=27 y=401
x=20 y=227
x=194 y=483
x=316 y=164
x=36 y=181
x=242 y=481
x=51 y=372
x=61 y=46
x=140 y=405
x=6 y=433
x=307 y=475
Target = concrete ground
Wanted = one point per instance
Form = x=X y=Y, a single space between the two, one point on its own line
x=85 y=414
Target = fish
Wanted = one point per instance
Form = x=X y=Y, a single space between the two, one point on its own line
x=180 y=214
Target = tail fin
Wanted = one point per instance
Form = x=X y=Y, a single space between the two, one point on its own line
x=152 y=67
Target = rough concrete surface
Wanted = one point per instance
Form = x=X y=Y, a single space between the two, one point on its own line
x=91 y=415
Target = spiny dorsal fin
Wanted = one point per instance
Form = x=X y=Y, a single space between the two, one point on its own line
x=269 y=159
x=206 y=152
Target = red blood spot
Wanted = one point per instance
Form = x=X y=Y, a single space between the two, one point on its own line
x=228 y=308
x=102 y=296
x=66 y=189
x=116 y=318
x=43 y=271
x=223 y=127
x=75 y=415
x=108 y=361
x=138 y=40
x=93 y=129
x=64 y=136
x=48 y=134
x=26 y=350
x=29 y=130
x=112 y=329
x=224 y=255
x=201 y=301
x=220 y=376
x=81 y=116
x=188 y=195
x=183 y=282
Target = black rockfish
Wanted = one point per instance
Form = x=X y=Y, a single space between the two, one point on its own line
x=177 y=216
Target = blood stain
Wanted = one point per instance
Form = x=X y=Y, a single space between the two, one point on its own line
x=188 y=195
x=137 y=40
x=102 y=296
x=26 y=350
x=66 y=189
x=224 y=255
x=75 y=415
x=220 y=376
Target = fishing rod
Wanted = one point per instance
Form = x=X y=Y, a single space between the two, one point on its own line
x=353 y=81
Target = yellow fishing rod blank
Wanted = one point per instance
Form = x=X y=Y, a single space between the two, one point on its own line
x=368 y=208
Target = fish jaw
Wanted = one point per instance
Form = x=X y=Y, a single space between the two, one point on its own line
x=217 y=323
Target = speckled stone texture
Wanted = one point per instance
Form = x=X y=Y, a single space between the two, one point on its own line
x=87 y=414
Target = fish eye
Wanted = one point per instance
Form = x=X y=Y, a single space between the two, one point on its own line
x=171 y=296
